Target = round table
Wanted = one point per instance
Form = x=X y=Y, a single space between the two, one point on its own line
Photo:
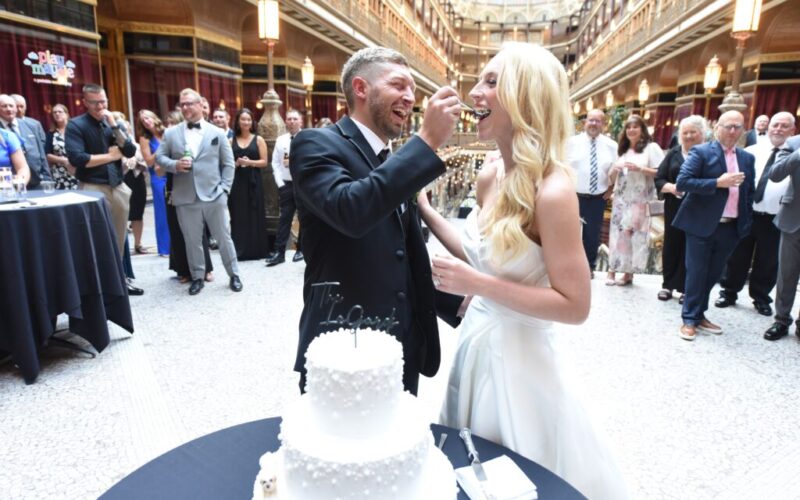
x=224 y=464
x=59 y=255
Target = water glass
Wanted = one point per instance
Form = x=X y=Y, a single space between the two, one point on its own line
x=20 y=186
x=6 y=187
x=48 y=186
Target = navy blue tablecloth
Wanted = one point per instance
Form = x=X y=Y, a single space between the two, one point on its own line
x=224 y=464
x=53 y=260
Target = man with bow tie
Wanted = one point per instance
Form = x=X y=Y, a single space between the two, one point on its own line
x=359 y=229
x=283 y=178
x=200 y=156
x=760 y=247
x=758 y=134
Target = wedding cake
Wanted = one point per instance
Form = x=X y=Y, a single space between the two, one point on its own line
x=355 y=435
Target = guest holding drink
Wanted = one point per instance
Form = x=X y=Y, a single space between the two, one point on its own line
x=63 y=173
x=632 y=176
x=150 y=130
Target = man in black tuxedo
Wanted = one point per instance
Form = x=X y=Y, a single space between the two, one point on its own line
x=758 y=134
x=360 y=225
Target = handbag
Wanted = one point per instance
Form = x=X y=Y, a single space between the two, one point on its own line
x=655 y=207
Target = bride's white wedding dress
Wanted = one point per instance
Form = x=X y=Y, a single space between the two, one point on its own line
x=506 y=386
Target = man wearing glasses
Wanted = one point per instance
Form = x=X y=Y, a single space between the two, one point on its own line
x=591 y=154
x=717 y=211
x=95 y=145
x=201 y=159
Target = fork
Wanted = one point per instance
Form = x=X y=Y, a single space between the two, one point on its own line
x=478 y=114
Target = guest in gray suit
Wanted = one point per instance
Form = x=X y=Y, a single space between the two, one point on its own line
x=788 y=221
x=31 y=135
x=200 y=156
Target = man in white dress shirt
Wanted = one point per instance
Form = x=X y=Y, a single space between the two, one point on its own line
x=591 y=154
x=283 y=178
x=761 y=246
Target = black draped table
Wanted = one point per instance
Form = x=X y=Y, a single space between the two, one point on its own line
x=58 y=259
x=224 y=464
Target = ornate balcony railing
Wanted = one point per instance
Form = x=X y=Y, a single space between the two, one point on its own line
x=641 y=26
x=419 y=56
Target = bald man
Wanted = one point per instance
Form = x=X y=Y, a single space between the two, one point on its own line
x=758 y=134
x=760 y=247
x=591 y=155
x=718 y=180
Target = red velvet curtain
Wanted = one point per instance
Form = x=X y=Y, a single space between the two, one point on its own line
x=682 y=111
x=771 y=99
x=221 y=91
x=68 y=65
x=324 y=106
x=295 y=99
x=662 y=133
x=157 y=86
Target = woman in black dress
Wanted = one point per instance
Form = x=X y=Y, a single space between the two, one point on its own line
x=246 y=201
x=691 y=133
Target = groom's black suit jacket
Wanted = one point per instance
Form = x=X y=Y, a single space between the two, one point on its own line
x=353 y=234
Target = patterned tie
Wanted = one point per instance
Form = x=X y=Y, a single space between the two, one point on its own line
x=593 y=171
x=762 y=181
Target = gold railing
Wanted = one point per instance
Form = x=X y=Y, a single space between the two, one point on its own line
x=419 y=55
x=638 y=28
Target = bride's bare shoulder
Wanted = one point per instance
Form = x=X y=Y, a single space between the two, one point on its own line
x=556 y=191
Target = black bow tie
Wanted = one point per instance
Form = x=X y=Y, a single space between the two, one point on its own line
x=383 y=155
x=762 y=133
x=191 y=125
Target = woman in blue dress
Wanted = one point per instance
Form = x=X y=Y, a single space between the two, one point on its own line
x=150 y=131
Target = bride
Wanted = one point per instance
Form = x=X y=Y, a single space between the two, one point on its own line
x=520 y=255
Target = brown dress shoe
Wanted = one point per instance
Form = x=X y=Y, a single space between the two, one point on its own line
x=688 y=332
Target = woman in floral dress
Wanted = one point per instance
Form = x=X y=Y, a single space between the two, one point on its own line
x=63 y=173
x=632 y=176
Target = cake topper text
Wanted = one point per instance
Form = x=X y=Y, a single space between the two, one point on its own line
x=355 y=317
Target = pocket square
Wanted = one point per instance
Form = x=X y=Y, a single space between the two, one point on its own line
x=215 y=142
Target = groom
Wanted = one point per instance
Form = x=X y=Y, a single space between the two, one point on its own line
x=360 y=227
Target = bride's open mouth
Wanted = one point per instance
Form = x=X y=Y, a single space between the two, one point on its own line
x=481 y=113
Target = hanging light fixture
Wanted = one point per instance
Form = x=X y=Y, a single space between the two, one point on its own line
x=713 y=72
x=644 y=91
x=609 y=99
x=589 y=104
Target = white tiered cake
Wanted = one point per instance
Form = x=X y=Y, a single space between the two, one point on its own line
x=355 y=434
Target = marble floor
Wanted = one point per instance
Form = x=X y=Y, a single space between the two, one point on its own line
x=711 y=419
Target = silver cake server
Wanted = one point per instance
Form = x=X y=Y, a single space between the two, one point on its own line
x=472 y=454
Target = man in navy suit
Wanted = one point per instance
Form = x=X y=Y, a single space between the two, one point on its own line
x=717 y=211
x=360 y=226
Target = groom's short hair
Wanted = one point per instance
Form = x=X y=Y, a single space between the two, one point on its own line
x=362 y=64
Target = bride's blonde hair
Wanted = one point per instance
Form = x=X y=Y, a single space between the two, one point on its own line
x=532 y=88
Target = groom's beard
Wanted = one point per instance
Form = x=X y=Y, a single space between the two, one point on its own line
x=380 y=110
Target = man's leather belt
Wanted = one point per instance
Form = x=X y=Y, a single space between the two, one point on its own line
x=725 y=220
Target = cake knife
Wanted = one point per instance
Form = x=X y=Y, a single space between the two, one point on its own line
x=475 y=462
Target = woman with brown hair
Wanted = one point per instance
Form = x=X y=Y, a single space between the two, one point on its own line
x=632 y=176
x=150 y=129
x=246 y=201
x=63 y=173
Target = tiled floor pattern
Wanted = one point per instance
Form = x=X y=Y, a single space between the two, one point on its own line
x=712 y=419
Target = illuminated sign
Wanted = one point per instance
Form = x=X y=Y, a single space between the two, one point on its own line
x=58 y=68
